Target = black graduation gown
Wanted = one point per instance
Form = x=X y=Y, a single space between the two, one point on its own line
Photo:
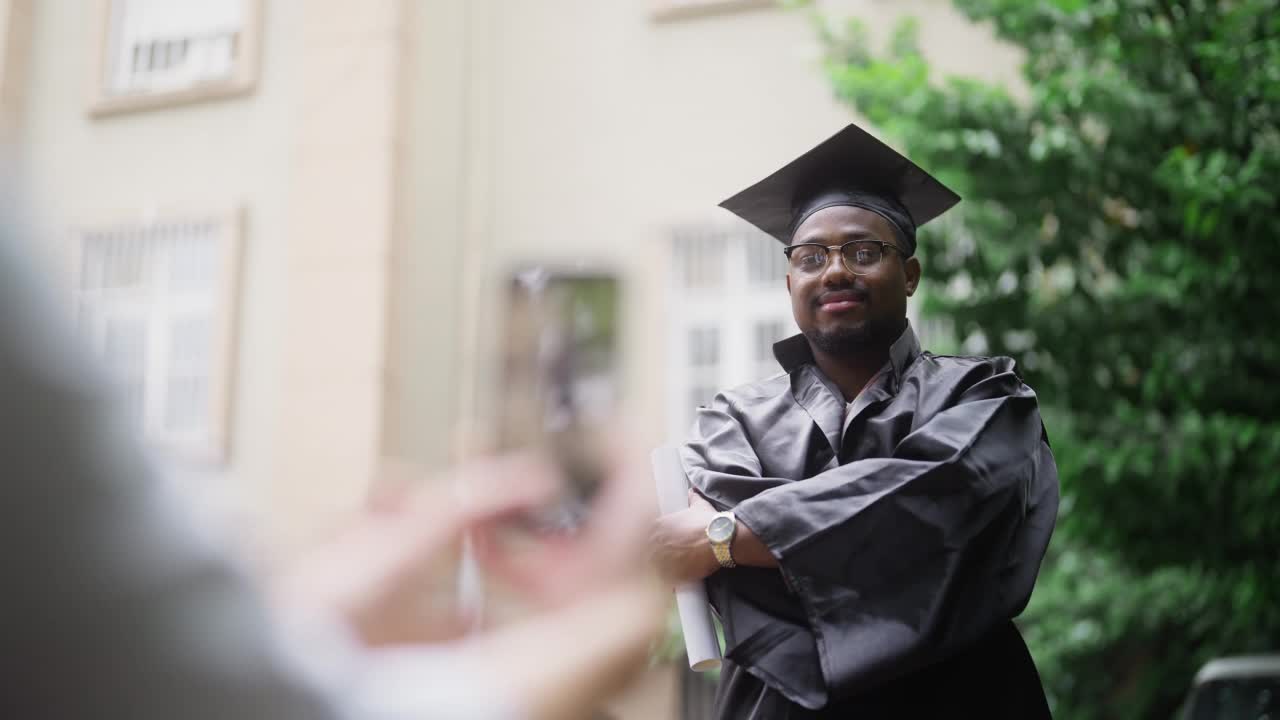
x=909 y=531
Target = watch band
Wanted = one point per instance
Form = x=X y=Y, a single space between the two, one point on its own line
x=723 y=548
x=723 y=554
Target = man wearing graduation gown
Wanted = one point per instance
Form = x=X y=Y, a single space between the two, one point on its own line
x=870 y=520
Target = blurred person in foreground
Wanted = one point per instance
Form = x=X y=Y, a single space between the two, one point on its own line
x=870 y=520
x=117 y=605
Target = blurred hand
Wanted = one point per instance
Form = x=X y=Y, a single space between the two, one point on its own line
x=602 y=610
x=561 y=664
x=376 y=573
x=602 y=606
x=609 y=548
x=678 y=544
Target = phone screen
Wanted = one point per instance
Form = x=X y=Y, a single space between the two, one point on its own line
x=559 y=387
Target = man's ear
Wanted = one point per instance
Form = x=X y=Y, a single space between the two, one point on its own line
x=912 y=268
x=788 y=283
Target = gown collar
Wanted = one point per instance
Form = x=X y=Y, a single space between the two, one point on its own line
x=794 y=352
x=818 y=395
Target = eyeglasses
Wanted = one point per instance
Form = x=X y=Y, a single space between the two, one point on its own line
x=860 y=256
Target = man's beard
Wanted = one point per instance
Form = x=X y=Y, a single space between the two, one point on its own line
x=856 y=338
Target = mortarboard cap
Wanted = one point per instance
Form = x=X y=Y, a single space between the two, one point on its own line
x=849 y=168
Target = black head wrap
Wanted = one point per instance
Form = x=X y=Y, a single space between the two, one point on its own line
x=883 y=205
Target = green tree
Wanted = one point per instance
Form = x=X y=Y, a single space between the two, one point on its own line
x=1119 y=237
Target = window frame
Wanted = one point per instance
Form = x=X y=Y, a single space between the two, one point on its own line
x=213 y=449
x=242 y=80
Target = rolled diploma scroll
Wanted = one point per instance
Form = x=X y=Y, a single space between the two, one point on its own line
x=700 y=640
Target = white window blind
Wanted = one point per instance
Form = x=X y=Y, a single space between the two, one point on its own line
x=156 y=302
x=703 y=364
x=700 y=260
x=764 y=335
x=766 y=263
x=168 y=45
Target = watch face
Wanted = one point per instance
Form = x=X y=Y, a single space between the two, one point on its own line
x=720 y=529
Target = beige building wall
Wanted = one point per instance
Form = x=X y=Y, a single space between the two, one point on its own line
x=215 y=156
x=308 y=157
x=345 y=148
x=15 y=37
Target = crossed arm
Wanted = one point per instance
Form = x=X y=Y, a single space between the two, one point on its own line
x=957 y=457
x=682 y=552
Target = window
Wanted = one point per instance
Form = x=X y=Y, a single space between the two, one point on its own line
x=704 y=364
x=700 y=260
x=704 y=347
x=157 y=304
x=766 y=333
x=156 y=52
x=766 y=264
x=730 y=292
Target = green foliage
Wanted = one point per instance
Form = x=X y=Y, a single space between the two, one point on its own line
x=1120 y=238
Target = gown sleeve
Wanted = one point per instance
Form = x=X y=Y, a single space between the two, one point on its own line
x=900 y=561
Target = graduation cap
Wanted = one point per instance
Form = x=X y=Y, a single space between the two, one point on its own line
x=849 y=168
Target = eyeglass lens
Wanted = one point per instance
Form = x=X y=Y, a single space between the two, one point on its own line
x=859 y=257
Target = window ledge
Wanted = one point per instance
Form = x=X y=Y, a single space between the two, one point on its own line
x=675 y=10
x=105 y=105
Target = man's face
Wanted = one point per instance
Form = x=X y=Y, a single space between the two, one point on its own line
x=838 y=311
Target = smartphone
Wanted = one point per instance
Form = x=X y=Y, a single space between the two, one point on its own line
x=558 y=392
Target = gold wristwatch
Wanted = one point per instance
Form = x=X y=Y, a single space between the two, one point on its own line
x=720 y=532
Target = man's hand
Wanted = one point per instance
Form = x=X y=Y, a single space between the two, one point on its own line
x=678 y=543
